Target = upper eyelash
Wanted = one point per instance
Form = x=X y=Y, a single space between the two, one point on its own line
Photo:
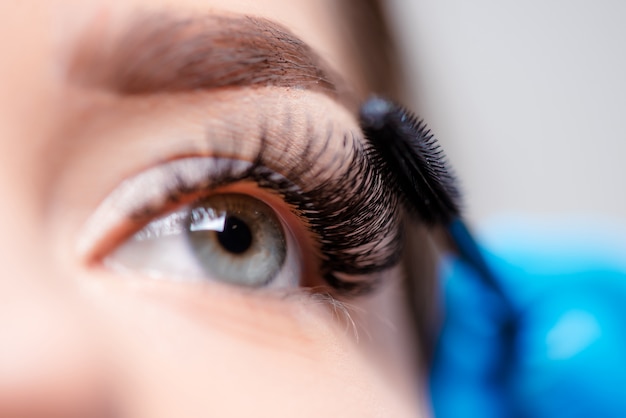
x=346 y=219
x=346 y=205
x=341 y=257
x=352 y=213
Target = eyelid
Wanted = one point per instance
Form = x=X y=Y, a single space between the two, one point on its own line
x=316 y=147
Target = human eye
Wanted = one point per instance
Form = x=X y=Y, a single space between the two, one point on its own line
x=297 y=204
x=239 y=235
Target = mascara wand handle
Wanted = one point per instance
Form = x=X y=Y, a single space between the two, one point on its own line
x=469 y=251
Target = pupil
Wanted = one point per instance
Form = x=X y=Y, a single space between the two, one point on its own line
x=236 y=236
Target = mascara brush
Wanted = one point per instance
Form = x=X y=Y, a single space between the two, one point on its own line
x=415 y=166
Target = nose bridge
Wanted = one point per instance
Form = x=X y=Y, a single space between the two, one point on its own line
x=48 y=357
x=48 y=363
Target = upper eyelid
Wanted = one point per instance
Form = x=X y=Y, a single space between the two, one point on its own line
x=228 y=136
x=357 y=221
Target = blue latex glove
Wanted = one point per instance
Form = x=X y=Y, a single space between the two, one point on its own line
x=552 y=343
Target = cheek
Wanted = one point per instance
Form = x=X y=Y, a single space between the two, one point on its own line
x=177 y=354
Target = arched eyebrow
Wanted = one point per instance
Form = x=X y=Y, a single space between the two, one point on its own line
x=158 y=53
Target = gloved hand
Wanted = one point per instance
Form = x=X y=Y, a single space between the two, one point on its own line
x=550 y=343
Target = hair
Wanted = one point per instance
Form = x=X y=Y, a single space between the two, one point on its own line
x=372 y=42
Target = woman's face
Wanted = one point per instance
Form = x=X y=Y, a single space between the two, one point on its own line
x=189 y=214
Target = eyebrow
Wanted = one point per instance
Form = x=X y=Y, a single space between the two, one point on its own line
x=159 y=53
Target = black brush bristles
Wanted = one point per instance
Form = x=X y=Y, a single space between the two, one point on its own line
x=412 y=160
x=415 y=167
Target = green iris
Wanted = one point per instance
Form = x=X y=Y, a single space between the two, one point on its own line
x=236 y=239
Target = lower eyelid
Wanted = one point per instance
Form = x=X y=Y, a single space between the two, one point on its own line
x=264 y=315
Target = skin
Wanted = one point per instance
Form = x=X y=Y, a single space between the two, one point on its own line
x=81 y=340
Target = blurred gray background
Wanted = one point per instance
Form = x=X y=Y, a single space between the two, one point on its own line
x=528 y=99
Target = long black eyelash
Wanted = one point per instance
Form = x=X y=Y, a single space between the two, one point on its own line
x=353 y=214
x=412 y=159
x=348 y=213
